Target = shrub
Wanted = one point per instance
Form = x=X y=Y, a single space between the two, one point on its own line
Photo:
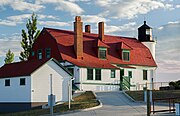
x=175 y=84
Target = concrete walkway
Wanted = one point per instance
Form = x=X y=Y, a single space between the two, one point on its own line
x=115 y=104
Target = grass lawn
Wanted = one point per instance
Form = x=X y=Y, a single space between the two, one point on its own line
x=157 y=94
x=85 y=100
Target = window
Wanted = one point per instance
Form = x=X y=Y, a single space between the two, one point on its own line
x=130 y=74
x=71 y=70
x=98 y=74
x=7 y=82
x=144 y=74
x=22 y=81
x=48 y=52
x=147 y=31
x=113 y=73
x=102 y=53
x=32 y=53
x=126 y=55
x=39 y=54
x=89 y=74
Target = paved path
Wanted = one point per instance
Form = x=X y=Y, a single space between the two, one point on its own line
x=114 y=104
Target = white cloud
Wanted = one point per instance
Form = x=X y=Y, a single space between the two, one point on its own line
x=53 y=23
x=19 y=19
x=10 y=42
x=173 y=22
x=129 y=9
x=21 y=5
x=169 y=66
x=160 y=28
x=41 y=16
x=131 y=26
x=178 y=6
x=169 y=6
x=63 y=5
x=93 y=19
x=79 y=0
x=7 y=23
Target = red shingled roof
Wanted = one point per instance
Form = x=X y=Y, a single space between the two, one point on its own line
x=125 y=46
x=139 y=54
x=102 y=44
x=20 y=68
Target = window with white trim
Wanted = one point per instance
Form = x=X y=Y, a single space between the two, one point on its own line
x=113 y=73
x=22 y=81
x=40 y=54
x=144 y=74
x=48 y=52
x=102 y=53
x=126 y=55
x=7 y=82
x=89 y=74
x=98 y=74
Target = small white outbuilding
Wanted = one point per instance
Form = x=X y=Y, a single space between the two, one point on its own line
x=24 y=85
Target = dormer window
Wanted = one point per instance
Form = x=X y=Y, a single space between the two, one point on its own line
x=102 y=53
x=126 y=55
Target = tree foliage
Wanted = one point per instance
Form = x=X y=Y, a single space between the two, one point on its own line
x=29 y=37
x=9 y=57
x=175 y=84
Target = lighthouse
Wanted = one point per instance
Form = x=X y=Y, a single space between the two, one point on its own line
x=145 y=36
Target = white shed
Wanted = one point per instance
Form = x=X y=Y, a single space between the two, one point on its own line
x=24 y=85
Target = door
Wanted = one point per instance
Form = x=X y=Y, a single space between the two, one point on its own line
x=121 y=78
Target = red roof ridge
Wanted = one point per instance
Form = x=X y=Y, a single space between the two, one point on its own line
x=125 y=46
x=85 y=33
x=102 y=44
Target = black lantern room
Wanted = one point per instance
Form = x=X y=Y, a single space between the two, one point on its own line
x=145 y=33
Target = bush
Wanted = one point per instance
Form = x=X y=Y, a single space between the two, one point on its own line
x=175 y=84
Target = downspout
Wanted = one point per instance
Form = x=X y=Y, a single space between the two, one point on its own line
x=70 y=91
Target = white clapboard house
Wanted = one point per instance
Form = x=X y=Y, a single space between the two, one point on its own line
x=100 y=62
x=24 y=85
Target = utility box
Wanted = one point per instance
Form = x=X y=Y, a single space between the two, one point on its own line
x=53 y=100
x=177 y=105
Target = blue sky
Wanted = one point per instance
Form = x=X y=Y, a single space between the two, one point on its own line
x=121 y=17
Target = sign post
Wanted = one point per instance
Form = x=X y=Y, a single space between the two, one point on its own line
x=51 y=96
x=148 y=103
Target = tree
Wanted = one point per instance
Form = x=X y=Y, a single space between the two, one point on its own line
x=9 y=57
x=29 y=37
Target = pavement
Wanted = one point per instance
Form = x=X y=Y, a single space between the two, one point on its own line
x=116 y=104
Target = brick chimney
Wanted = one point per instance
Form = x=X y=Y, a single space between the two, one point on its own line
x=78 y=37
x=88 y=28
x=101 y=30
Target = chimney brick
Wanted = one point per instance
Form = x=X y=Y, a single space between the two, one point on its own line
x=78 y=37
x=101 y=30
x=88 y=28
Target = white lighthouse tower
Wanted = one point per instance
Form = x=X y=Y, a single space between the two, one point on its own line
x=145 y=36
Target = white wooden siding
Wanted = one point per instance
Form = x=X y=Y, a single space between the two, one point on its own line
x=41 y=83
x=15 y=92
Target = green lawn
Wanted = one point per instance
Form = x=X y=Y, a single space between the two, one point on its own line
x=157 y=94
x=85 y=100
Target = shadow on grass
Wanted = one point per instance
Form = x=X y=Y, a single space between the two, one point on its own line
x=85 y=100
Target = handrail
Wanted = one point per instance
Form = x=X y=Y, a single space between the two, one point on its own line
x=159 y=99
x=170 y=100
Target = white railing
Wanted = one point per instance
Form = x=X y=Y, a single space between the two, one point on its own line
x=155 y=85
